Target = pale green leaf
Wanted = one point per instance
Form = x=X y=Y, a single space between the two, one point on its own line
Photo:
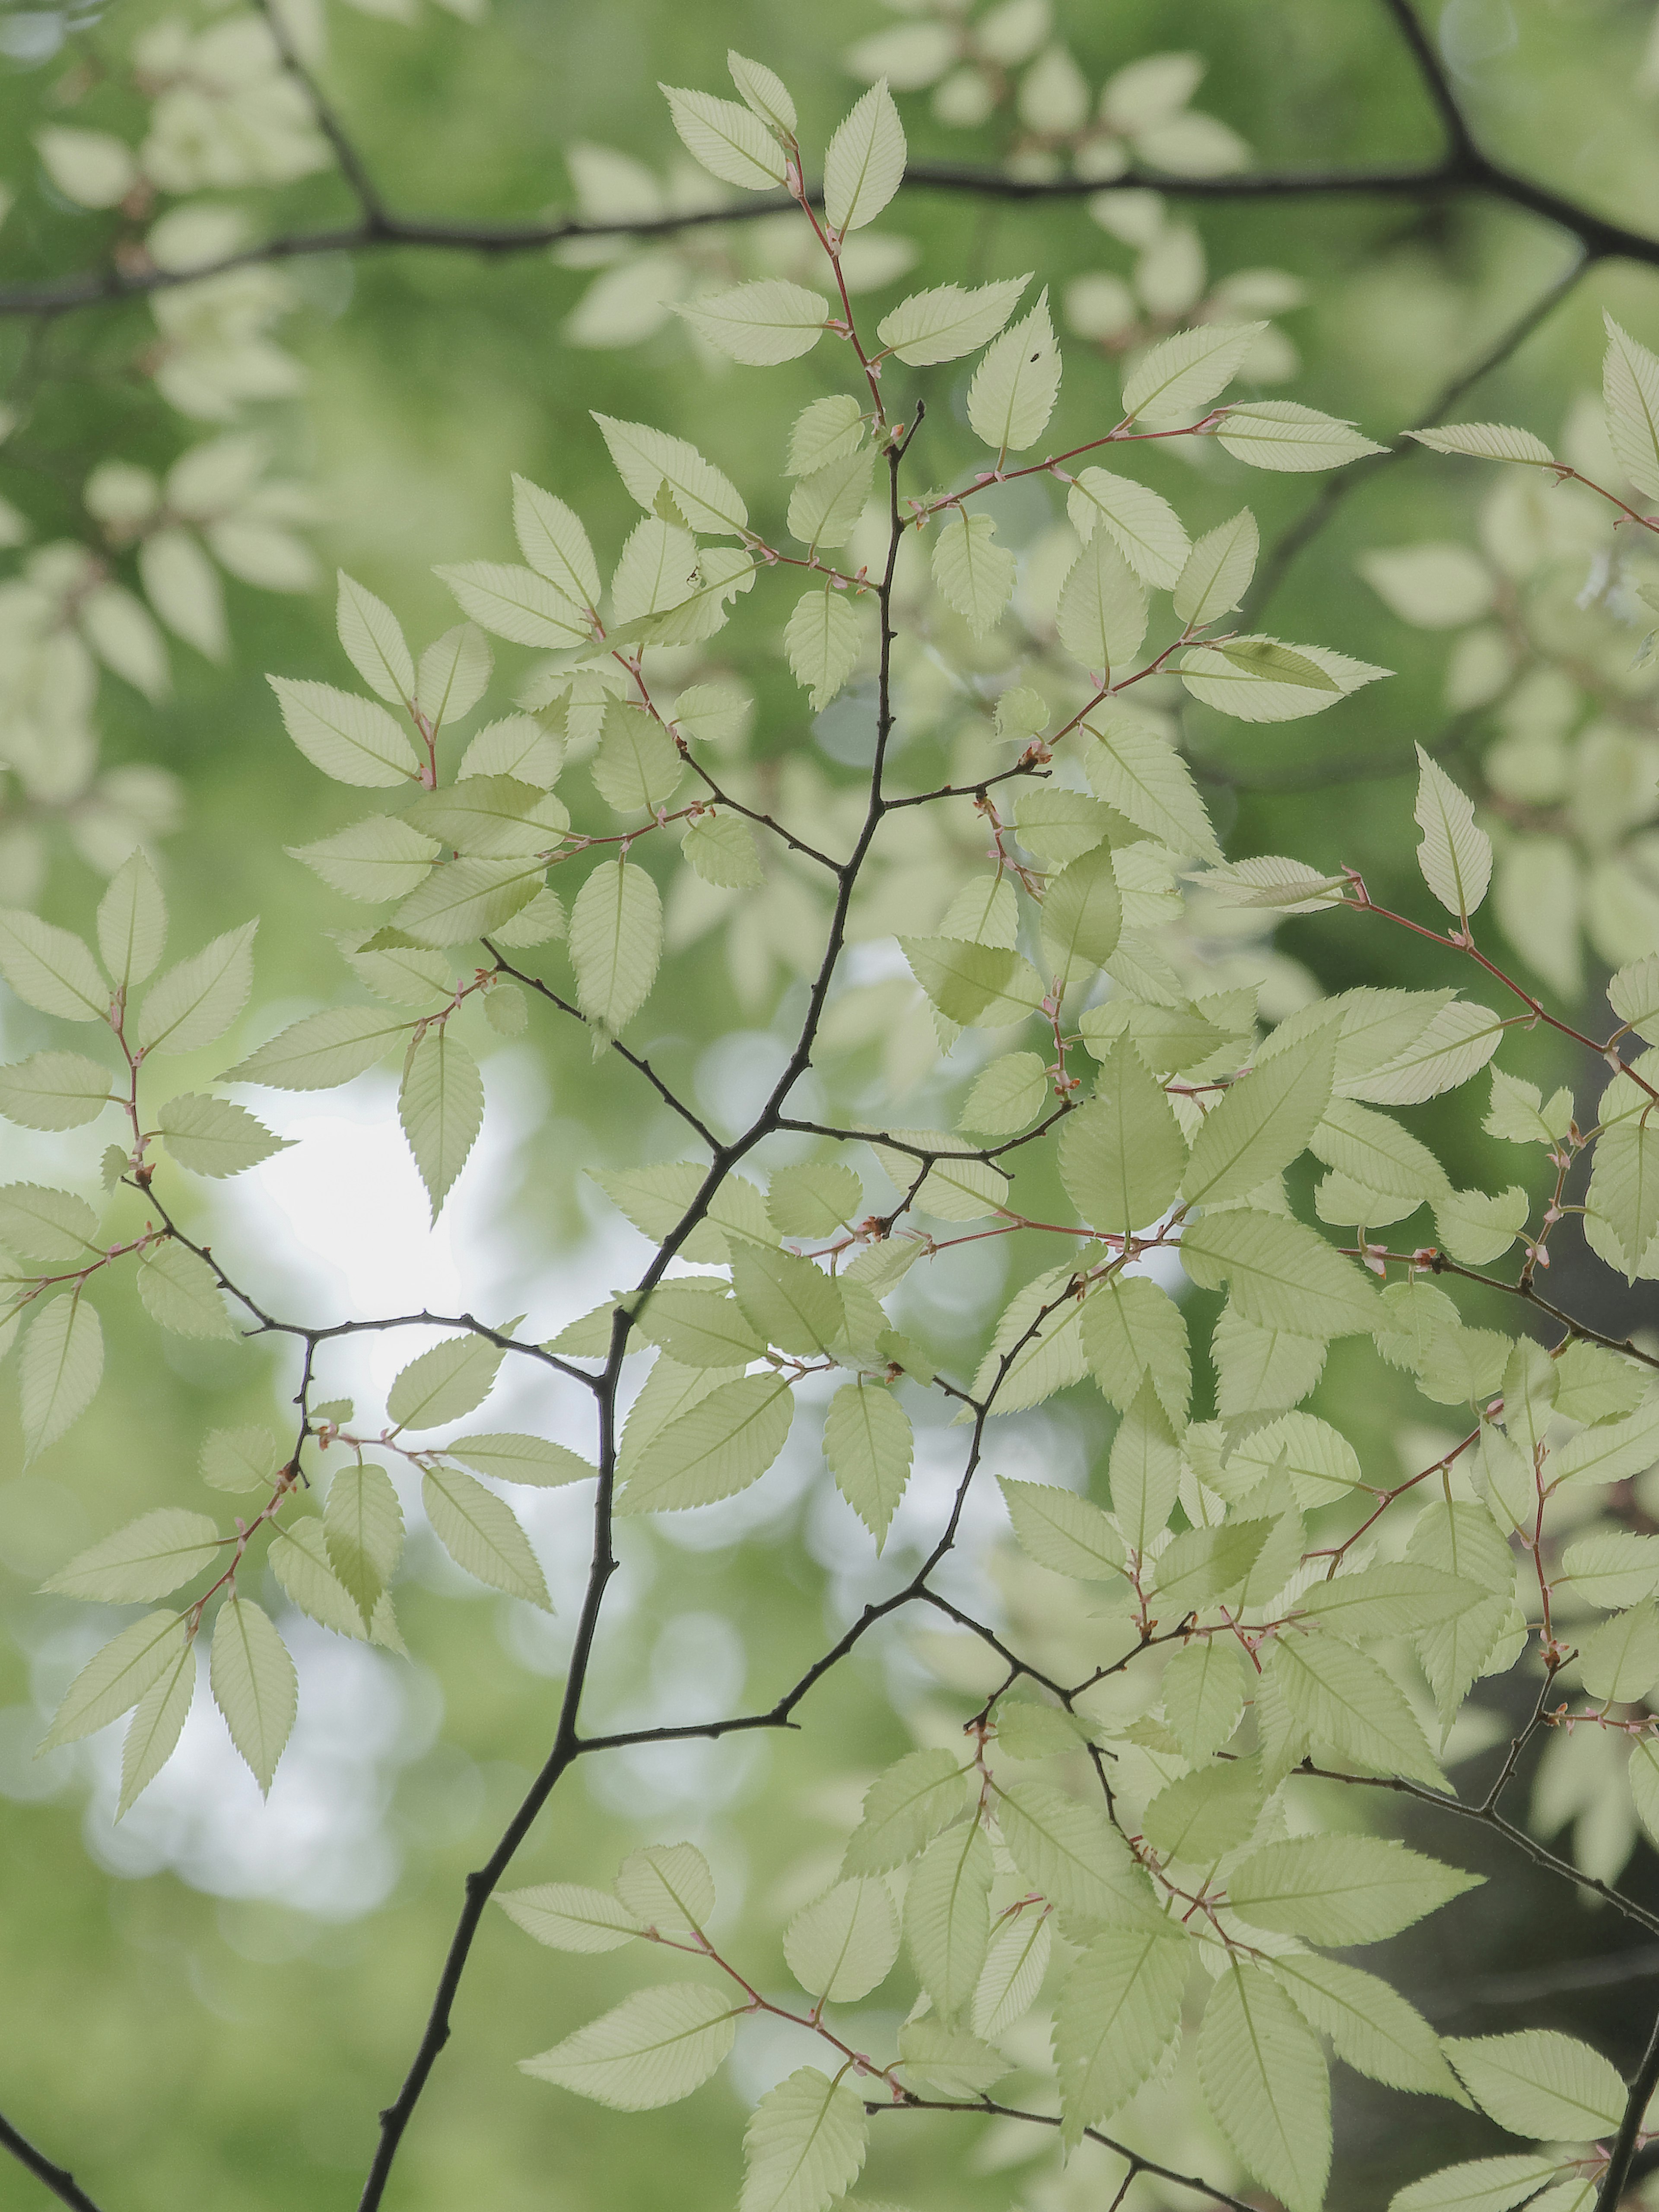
x=947 y=1916
x=1341 y=1889
x=1478 y=2184
x=132 y=922
x=47 y=1224
x=363 y=1529
x=1131 y=1329
x=322 y=1050
x=1371 y=2027
x=868 y=1444
x=1263 y=1121
x=567 y=1918
x=904 y=1808
x=1281 y=434
x=720 y=1445
x=1147 y=530
x=1101 y=616
x=1118 y=2009
x=1630 y=384
x=823 y=638
x=1068 y=1849
x=762 y=91
x=212 y=1137
x=181 y=1292
x=51 y=968
x=374 y=640
x=949 y=321
x=1141 y=776
x=843 y=1946
x=54 y=1090
x=1062 y=1531
x=1217 y=573
x=381 y=857
x=1541 y=2084
x=1340 y=1696
x=974 y=574
x=1456 y=857
x=1619 y=1662
x=1280 y=1273
x=1265 y=2079
x=1122 y=1155
x=863 y=166
x=652 y=2049
x=647 y=458
x=117 y=1676
x=156 y=1725
x=668 y=1886
x=254 y=1686
x=453 y=673
x=480 y=1532
x=805 y=2139
x=1180 y=376
x=762 y=322
x=826 y=430
x=1485 y=441
x=1016 y=384
x=61 y=1366
x=441 y=1107
x=443 y=1384
x=513 y=1458
x=553 y=541
x=195 y=1003
x=348 y=738
x=147 y=1558
x=616 y=941
x=730 y=142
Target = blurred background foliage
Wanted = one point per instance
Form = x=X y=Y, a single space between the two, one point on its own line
x=208 y=2005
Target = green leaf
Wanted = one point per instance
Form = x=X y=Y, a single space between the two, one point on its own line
x=1457 y=1042
x=468 y=898
x=1372 y=2027
x=239 y=1459
x=50 y=968
x=823 y=638
x=1540 y=2083
x=1217 y=573
x=762 y=91
x=729 y=142
x=374 y=640
x=1146 y=529
x=117 y=1677
x=567 y=1918
x=813 y=1199
x=62 y=1364
x=1122 y=1155
x=1200 y=1564
x=1266 y=658
x=1619 y=1662
x=1339 y=1696
x=947 y=1916
x=1372 y=1150
x=1613 y=1451
x=1204 y=1695
x=449 y=1380
x=512 y=1458
x=1139 y=772
x=1132 y=1329
x=254 y=1686
x=299 y=1558
x=1392 y=1598
x=47 y=1224
x=1082 y=916
x=1265 y=2079
x=363 y=1529
x=181 y=1292
x=719 y=1446
x=492 y=817
x=654 y=1199
x=1630 y=384
x=1067 y=1849
x=381 y=857
x=763 y=324
x=647 y=458
x=1063 y=1532
x=516 y=746
x=440 y=1106
x=868 y=1442
x=1454 y=857
x=863 y=167
x=698 y=1325
x=480 y=1532
x=1102 y=617
x=843 y=1946
x=827 y=430
x=1015 y=1967
x=805 y=2139
x=1182 y=375
x=616 y=942
x=349 y=738
x=453 y=673
x=1341 y=1889
x=669 y=1888
x=904 y=1808
x=1518 y=1114
x=322 y=1050
x=1279 y=433
x=948 y=321
x=974 y=574
x=1612 y=1568
x=652 y=2049
x=1016 y=384
x=1633 y=995
x=212 y=1137
x=1263 y=1122
x=1118 y=2011
x=1280 y=1273
x=985 y=986
x=1246 y=680
x=1058 y=825
x=1259 y=1370
x=146 y=1559
x=132 y=922
x=1008 y=1094
x=790 y=1300
x=156 y=1725
x=1485 y=441
x=515 y=603
x=824 y=507
x=54 y=1090
x=721 y=848
x=195 y=1003
x=946 y=2061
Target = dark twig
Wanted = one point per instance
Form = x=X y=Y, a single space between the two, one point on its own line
x=353 y=167
x=62 y=2183
x=1643 y=2082
x=1138 y=2164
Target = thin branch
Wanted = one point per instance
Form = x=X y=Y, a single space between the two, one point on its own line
x=1138 y=2164
x=353 y=167
x=1461 y=148
x=57 y=2179
x=1643 y=2082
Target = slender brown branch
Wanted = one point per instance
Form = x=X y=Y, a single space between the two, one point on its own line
x=353 y=167
x=1138 y=2164
x=1643 y=2082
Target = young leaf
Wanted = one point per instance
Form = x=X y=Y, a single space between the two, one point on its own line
x=947 y=321
x=1265 y=2079
x=843 y=1946
x=1254 y=683
x=1143 y=1470
x=374 y=640
x=1068 y=1849
x=868 y=1444
x=480 y=1532
x=1540 y=2083
x=652 y=2049
x=132 y=922
x=823 y=638
x=729 y=142
x=1341 y=1889
x=382 y=857
x=1456 y=857
x=146 y=1559
x=156 y=1725
x=1372 y=2027
x=668 y=1886
x=1340 y=1696
x=1182 y=375
x=181 y=1292
x=947 y=1916
x=443 y=1384
x=764 y=92
x=805 y=2139
x=1630 y=384
x=116 y=1677
x=452 y=672
x=1279 y=433
x=1487 y=442
x=47 y=1224
x=1122 y=1155
x=1132 y=1329
x=826 y=431
x=982 y=984
x=1263 y=1122
x=552 y=540
x=441 y=1107
x=903 y=1809
x=719 y=1446
x=195 y=1003
x=1014 y=388
x=239 y=1459
x=512 y=1458
x=1006 y=1095
x=974 y=573
x=1280 y=1273
x=1148 y=531
x=1102 y=609
x=1204 y=1695
x=62 y=1365
x=863 y=164
x=568 y=1917
x=254 y=1686
x=363 y=1529
x=54 y=1090
x=322 y=1050
x=616 y=942
x=515 y=603
x=647 y=458
x=212 y=1137
x=1015 y=1967
x=763 y=324
x=1118 y=2009
x=51 y=968
x=346 y=736
x=1218 y=571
